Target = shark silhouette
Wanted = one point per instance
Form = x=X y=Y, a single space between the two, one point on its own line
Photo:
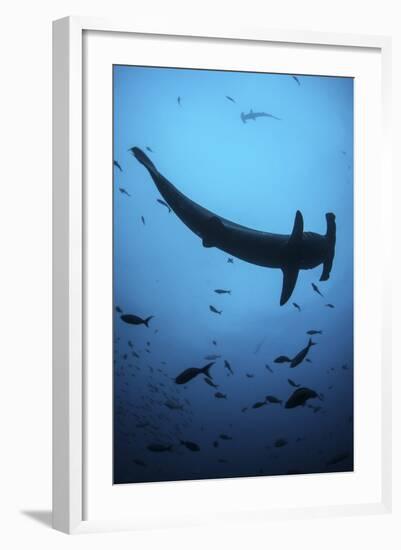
x=253 y=116
x=290 y=253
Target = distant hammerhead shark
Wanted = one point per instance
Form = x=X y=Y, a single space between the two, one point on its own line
x=253 y=116
x=290 y=253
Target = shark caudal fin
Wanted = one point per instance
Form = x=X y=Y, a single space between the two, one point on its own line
x=143 y=159
x=331 y=244
x=291 y=270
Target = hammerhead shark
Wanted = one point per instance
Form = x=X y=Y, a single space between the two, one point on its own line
x=253 y=116
x=290 y=253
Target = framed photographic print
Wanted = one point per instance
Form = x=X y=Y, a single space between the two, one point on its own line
x=219 y=275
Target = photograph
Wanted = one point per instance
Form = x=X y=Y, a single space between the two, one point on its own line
x=233 y=274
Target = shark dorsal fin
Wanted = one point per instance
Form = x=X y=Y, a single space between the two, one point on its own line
x=290 y=276
x=297 y=230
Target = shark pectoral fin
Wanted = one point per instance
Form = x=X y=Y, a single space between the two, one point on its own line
x=331 y=244
x=290 y=269
x=213 y=230
x=297 y=230
x=290 y=276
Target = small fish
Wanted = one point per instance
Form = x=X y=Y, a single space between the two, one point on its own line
x=330 y=306
x=173 y=405
x=230 y=98
x=258 y=404
x=210 y=383
x=299 y=397
x=244 y=409
x=230 y=260
x=139 y=462
x=296 y=306
x=135 y=320
x=179 y=101
x=292 y=383
x=212 y=357
x=259 y=345
x=149 y=149
x=143 y=220
x=296 y=80
x=159 y=447
x=316 y=289
x=124 y=192
x=345 y=367
x=189 y=374
x=134 y=353
x=214 y=310
x=249 y=375
x=190 y=445
x=273 y=399
x=300 y=356
x=214 y=342
x=228 y=366
x=164 y=204
x=225 y=437
x=222 y=291
x=269 y=368
x=282 y=359
x=337 y=458
x=117 y=165
x=313 y=332
x=308 y=360
x=142 y=425
x=280 y=442
x=130 y=344
x=220 y=395
x=118 y=309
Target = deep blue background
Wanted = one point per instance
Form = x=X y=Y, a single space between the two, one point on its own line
x=256 y=174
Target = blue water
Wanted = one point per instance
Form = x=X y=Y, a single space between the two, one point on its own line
x=256 y=174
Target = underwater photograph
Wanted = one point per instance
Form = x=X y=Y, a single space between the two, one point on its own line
x=233 y=269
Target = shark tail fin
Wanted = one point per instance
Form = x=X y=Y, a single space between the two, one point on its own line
x=331 y=244
x=206 y=369
x=144 y=159
x=310 y=343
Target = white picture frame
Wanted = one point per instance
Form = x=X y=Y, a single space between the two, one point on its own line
x=70 y=257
